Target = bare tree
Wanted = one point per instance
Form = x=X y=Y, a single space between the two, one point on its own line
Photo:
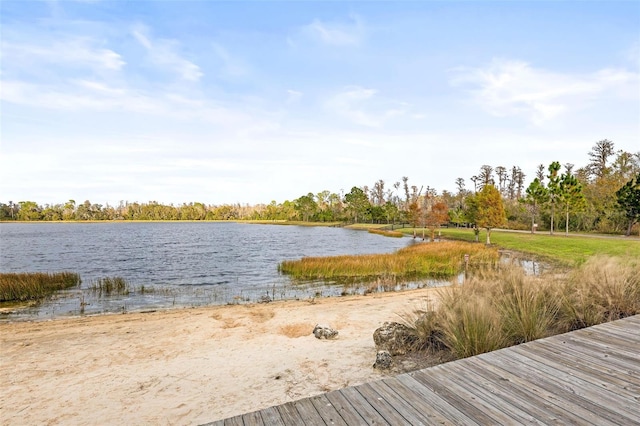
x=599 y=155
x=540 y=173
x=486 y=176
x=377 y=193
x=501 y=172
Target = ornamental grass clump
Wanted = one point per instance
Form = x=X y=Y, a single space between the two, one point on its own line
x=435 y=260
x=34 y=285
x=501 y=307
x=603 y=289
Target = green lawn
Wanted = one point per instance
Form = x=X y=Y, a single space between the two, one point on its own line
x=572 y=250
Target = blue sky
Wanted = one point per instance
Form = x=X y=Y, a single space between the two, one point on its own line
x=224 y=102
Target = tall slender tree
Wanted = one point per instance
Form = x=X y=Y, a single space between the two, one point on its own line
x=553 y=189
x=570 y=196
x=537 y=195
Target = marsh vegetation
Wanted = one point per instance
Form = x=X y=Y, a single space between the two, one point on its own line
x=34 y=285
x=432 y=260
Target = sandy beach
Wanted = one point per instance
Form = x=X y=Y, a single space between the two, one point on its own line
x=189 y=366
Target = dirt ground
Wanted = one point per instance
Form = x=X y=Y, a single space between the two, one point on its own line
x=192 y=366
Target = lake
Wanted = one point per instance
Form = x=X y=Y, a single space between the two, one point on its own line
x=179 y=264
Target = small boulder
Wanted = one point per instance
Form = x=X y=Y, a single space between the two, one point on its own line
x=383 y=360
x=394 y=337
x=324 y=332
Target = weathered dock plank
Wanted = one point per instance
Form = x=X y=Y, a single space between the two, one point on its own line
x=383 y=407
x=327 y=411
x=589 y=376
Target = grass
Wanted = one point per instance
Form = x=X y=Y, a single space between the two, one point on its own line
x=34 y=285
x=504 y=307
x=573 y=250
x=443 y=259
x=393 y=234
x=112 y=285
x=290 y=222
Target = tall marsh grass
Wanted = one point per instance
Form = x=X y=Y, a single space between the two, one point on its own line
x=112 y=285
x=34 y=285
x=444 y=259
x=504 y=307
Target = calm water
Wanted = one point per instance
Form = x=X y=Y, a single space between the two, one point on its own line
x=183 y=264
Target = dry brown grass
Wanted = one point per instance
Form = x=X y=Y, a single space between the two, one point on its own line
x=504 y=307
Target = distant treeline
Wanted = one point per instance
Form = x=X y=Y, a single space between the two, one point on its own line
x=602 y=196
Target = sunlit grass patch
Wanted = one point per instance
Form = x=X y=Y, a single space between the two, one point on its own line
x=420 y=260
x=573 y=250
x=34 y=285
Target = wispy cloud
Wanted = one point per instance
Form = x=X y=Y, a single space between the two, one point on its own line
x=362 y=106
x=230 y=66
x=293 y=96
x=165 y=53
x=349 y=33
x=515 y=88
x=73 y=51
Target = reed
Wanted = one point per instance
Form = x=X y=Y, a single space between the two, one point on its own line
x=111 y=285
x=443 y=259
x=392 y=234
x=34 y=285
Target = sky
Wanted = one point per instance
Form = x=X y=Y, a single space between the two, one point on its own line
x=249 y=102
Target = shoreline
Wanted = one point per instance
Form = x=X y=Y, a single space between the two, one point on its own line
x=191 y=365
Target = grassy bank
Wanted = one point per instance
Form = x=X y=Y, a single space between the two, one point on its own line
x=392 y=234
x=504 y=307
x=571 y=251
x=443 y=259
x=290 y=222
x=34 y=285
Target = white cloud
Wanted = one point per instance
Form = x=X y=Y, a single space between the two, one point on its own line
x=293 y=96
x=351 y=33
x=515 y=88
x=361 y=106
x=164 y=53
x=78 y=51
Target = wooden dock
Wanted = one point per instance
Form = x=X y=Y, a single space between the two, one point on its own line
x=585 y=377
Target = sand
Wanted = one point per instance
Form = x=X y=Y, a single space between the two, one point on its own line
x=189 y=366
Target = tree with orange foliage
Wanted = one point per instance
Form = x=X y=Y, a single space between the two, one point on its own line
x=438 y=215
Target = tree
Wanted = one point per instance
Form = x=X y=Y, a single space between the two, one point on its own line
x=570 y=196
x=599 y=155
x=438 y=214
x=485 y=176
x=629 y=201
x=537 y=195
x=377 y=193
x=490 y=210
x=390 y=212
x=357 y=203
x=306 y=206
x=553 y=189
x=29 y=210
